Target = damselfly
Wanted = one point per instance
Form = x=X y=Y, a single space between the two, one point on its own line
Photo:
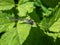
x=28 y=21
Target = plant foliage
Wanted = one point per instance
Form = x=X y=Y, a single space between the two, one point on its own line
x=29 y=22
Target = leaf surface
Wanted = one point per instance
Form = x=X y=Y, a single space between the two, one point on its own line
x=56 y=26
x=10 y=38
x=6 y=4
x=5 y=22
x=25 y=8
x=23 y=31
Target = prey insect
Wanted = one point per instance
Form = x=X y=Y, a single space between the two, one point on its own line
x=28 y=21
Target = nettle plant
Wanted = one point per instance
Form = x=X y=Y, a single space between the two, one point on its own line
x=24 y=21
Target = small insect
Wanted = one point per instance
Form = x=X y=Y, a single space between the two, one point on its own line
x=28 y=21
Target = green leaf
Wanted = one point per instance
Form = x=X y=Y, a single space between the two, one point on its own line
x=44 y=24
x=23 y=31
x=46 y=11
x=56 y=26
x=50 y=20
x=5 y=22
x=6 y=27
x=50 y=3
x=54 y=35
x=23 y=1
x=24 y=8
x=10 y=38
x=58 y=35
x=6 y=4
x=4 y=18
x=54 y=16
x=16 y=36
